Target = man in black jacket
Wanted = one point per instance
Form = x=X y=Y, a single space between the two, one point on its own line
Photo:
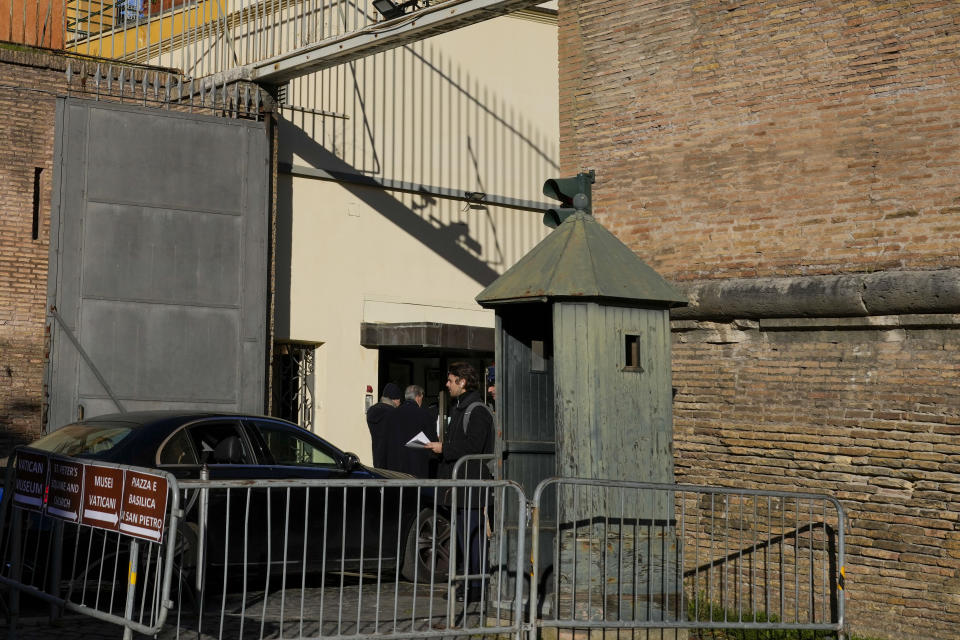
x=468 y=436
x=405 y=423
x=376 y=422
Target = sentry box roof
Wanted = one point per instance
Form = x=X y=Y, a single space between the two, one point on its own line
x=580 y=259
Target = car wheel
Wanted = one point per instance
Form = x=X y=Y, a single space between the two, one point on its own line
x=184 y=592
x=185 y=552
x=423 y=559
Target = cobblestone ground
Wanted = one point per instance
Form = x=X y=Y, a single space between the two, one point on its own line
x=343 y=610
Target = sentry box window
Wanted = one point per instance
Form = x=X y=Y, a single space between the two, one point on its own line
x=631 y=360
x=538 y=361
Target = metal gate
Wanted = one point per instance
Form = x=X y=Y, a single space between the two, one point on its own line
x=381 y=559
x=157 y=288
x=289 y=558
x=54 y=546
x=633 y=555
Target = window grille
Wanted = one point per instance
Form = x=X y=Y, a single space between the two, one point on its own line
x=293 y=382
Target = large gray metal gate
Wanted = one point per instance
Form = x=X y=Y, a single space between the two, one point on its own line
x=157 y=290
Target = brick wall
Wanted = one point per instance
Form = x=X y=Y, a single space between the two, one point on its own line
x=869 y=416
x=758 y=139
x=28 y=84
x=725 y=131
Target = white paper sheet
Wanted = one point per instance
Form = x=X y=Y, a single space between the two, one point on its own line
x=419 y=441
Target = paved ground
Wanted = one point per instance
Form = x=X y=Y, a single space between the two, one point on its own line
x=344 y=610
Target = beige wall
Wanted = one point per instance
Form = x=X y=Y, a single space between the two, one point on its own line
x=474 y=110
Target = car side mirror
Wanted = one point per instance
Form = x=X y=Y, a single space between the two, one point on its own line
x=350 y=462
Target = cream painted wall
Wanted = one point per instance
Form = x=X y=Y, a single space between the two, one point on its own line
x=351 y=265
x=475 y=109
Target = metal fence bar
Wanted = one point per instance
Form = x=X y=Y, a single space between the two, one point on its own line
x=213 y=36
x=648 y=526
x=42 y=571
x=365 y=558
x=258 y=542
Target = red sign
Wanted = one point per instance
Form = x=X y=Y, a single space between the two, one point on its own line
x=65 y=489
x=30 y=480
x=102 y=493
x=144 y=505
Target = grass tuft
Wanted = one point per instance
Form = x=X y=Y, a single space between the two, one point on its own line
x=704 y=611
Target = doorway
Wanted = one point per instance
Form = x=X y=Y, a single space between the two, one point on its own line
x=404 y=366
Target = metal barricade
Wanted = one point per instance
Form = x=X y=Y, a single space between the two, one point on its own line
x=113 y=563
x=343 y=559
x=470 y=522
x=632 y=555
x=379 y=558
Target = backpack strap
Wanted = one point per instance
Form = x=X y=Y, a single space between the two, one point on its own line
x=488 y=466
x=470 y=408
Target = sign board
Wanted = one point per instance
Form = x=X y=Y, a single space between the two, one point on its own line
x=65 y=489
x=129 y=501
x=102 y=494
x=30 y=480
x=144 y=505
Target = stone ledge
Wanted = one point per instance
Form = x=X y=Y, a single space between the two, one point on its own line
x=912 y=321
x=736 y=331
x=24 y=55
x=887 y=293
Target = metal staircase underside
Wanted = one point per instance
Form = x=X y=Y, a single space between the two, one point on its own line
x=381 y=36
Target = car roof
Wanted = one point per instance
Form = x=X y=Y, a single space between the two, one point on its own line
x=151 y=428
x=139 y=418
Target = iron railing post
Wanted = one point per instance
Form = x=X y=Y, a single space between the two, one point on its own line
x=202 y=526
x=131 y=588
x=16 y=560
x=55 y=569
x=534 y=597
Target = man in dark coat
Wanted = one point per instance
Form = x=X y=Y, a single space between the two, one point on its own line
x=405 y=423
x=376 y=417
x=464 y=437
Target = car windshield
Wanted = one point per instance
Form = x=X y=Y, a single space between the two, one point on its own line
x=80 y=440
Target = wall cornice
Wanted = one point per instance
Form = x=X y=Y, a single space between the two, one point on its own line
x=886 y=293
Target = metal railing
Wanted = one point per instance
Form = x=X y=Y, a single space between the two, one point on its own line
x=641 y=555
x=160 y=89
x=470 y=517
x=112 y=575
x=204 y=37
x=33 y=22
x=199 y=37
x=344 y=559
x=381 y=558
x=471 y=467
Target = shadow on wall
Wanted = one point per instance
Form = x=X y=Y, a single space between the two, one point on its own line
x=412 y=116
x=408 y=115
x=449 y=240
x=15 y=418
x=409 y=112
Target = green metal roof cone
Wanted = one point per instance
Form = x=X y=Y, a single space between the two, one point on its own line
x=581 y=259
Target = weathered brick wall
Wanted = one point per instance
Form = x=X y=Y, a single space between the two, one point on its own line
x=28 y=86
x=745 y=139
x=749 y=138
x=869 y=416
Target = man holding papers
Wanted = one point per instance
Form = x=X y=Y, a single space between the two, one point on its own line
x=409 y=430
x=469 y=432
